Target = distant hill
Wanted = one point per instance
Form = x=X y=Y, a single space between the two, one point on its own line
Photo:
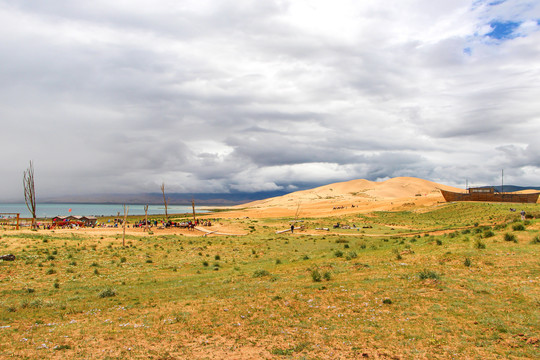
x=351 y=197
x=205 y=199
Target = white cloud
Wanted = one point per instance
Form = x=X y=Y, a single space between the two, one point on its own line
x=240 y=95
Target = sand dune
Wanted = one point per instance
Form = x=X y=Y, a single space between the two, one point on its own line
x=351 y=197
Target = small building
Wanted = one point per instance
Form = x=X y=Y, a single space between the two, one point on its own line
x=86 y=221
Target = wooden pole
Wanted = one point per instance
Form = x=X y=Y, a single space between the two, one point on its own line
x=145 y=217
x=126 y=210
x=17 y=227
x=164 y=201
x=193 y=206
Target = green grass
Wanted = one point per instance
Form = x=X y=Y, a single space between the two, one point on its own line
x=279 y=296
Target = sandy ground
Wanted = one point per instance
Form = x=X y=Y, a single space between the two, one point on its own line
x=355 y=196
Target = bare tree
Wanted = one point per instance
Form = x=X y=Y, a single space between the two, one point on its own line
x=297 y=214
x=145 y=217
x=30 y=192
x=164 y=201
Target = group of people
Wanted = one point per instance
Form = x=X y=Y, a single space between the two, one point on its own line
x=173 y=224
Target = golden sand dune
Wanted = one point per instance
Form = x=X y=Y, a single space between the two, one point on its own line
x=350 y=197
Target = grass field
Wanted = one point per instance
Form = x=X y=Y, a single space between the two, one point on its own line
x=464 y=285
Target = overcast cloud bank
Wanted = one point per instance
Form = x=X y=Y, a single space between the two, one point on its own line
x=220 y=96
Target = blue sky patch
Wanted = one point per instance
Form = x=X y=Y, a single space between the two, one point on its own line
x=497 y=2
x=503 y=30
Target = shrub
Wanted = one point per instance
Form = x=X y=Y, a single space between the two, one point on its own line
x=205 y=263
x=479 y=244
x=518 y=227
x=535 y=240
x=338 y=253
x=387 y=301
x=123 y=259
x=278 y=261
x=327 y=276
x=428 y=274
x=488 y=234
x=352 y=255
x=316 y=275
x=51 y=271
x=467 y=262
x=439 y=241
x=108 y=292
x=217 y=257
x=260 y=273
x=510 y=237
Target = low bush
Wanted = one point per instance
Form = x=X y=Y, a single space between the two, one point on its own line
x=428 y=274
x=510 y=237
x=108 y=292
x=479 y=244
x=260 y=273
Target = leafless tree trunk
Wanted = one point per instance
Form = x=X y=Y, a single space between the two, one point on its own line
x=193 y=207
x=30 y=192
x=164 y=201
x=297 y=211
x=126 y=210
x=145 y=217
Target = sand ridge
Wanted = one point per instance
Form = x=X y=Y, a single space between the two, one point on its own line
x=350 y=197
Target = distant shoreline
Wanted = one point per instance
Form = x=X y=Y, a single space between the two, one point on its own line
x=50 y=210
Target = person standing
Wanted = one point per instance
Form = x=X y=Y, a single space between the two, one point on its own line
x=292 y=229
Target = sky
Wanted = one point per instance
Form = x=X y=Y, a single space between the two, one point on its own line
x=242 y=96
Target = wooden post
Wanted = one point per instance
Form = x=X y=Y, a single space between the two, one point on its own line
x=17 y=227
x=126 y=210
x=145 y=217
x=193 y=206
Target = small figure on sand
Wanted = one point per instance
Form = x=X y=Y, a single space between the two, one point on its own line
x=292 y=228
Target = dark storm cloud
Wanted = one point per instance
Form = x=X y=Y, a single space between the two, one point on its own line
x=220 y=96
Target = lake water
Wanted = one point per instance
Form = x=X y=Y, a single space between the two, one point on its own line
x=52 y=210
